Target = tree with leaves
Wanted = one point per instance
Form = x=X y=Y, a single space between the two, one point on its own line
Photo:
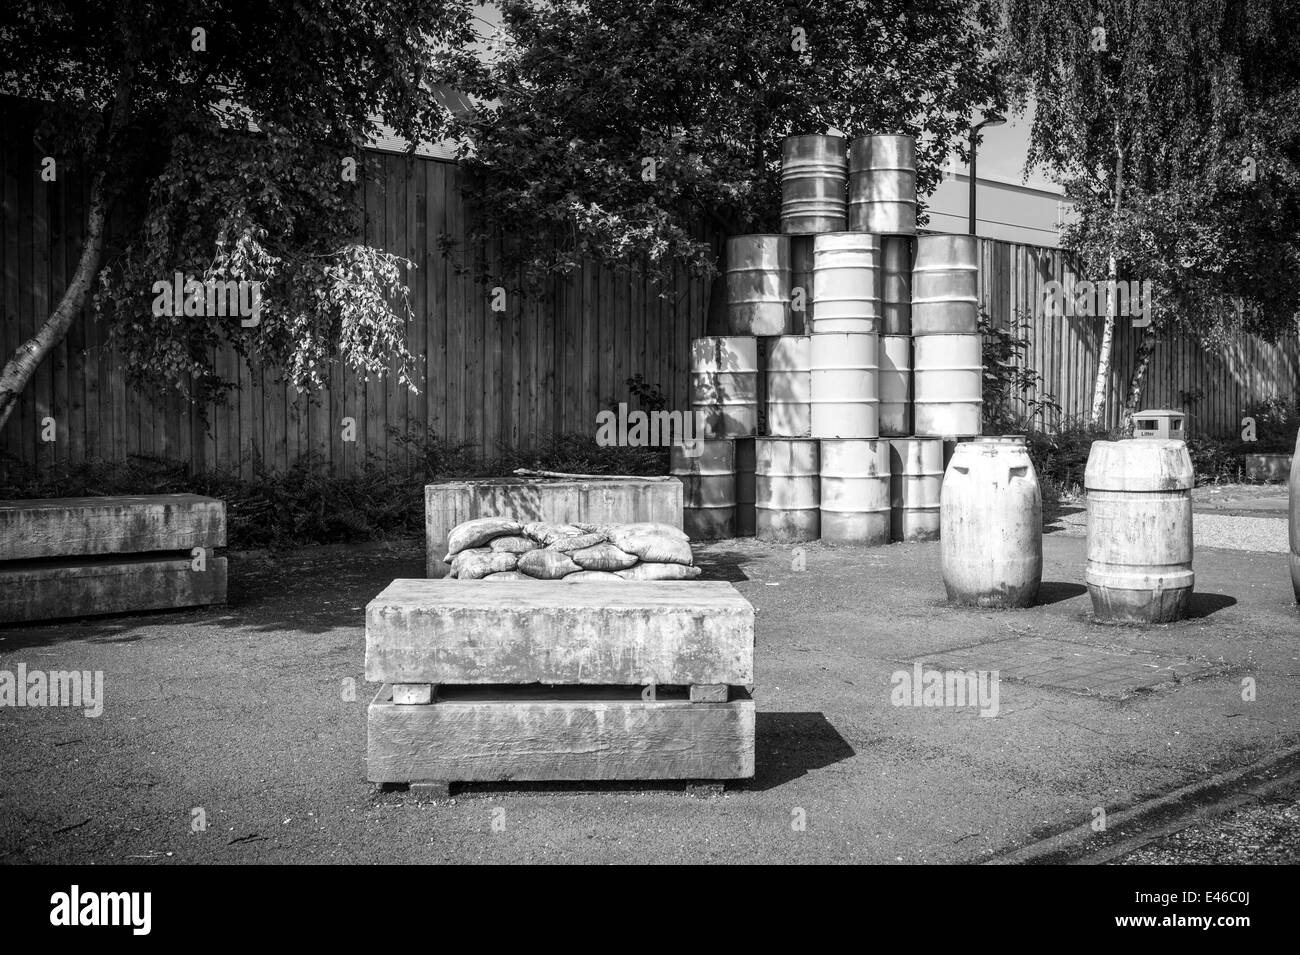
x=1174 y=129
x=219 y=136
x=618 y=129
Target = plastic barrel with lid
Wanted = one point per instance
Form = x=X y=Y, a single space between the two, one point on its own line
x=991 y=525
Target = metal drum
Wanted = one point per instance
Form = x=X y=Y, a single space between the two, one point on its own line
x=814 y=177
x=948 y=381
x=882 y=185
x=895 y=385
x=801 y=284
x=724 y=386
x=846 y=282
x=991 y=525
x=915 y=481
x=745 y=487
x=758 y=285
x=855 y=492
x=896 y=285
x=708 y=487
x=945 y=285
x=1294 y=526
x=1139 y=530
x=786 y=489
x=789 y=387
x=845 y=393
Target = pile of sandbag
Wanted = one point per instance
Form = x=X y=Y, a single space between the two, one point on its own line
x=493 y=548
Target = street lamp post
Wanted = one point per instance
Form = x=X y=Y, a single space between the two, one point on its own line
x=992 y=119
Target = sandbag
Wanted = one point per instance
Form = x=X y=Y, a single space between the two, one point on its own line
x=548 y=533
x=592 y=575
x=567 y=545
x=481 y=561
x=507 y=575
x=478 y=532
x=659 y=572
x=515 y=544
x=651 y=546
x=464 y=556
x=602 y=557
x=547 y=564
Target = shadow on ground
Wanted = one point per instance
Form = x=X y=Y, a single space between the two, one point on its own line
x=786 y=747
x=1054 y=591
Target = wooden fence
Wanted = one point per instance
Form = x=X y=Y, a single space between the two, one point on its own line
x=544 y=366
x=1213 y=385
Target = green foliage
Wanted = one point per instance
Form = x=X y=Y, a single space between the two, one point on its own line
x=1178 y=141
x=649 y=397
x=1277 y=421
x=307 y=505
x=1013 y=400
x=1061 y=456
x=227 y=155
x=1216 y=462
x=577 y=97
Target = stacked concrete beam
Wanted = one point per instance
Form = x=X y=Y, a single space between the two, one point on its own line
x=74 y=557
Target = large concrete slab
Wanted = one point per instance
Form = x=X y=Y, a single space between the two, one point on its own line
x=638 y=633
x=54 y=590
x=612 y=501
x=480 y=736
x=89 y=526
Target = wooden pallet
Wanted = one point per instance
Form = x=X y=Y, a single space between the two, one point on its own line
x=532 y=682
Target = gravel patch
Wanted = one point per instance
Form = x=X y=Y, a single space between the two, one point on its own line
x=1267 y=834
x=1235 y=520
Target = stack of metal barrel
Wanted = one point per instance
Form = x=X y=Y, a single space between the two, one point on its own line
x=810 y=426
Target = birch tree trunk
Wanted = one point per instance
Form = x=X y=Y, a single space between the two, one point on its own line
x=1143 y=359
x=1099 y=386
x=20 y=367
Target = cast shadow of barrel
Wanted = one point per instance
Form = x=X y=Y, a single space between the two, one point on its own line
x=1203 y=605
x=1055 y=591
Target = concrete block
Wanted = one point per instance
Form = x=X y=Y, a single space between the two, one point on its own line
x=463 y=632
x=620 y=501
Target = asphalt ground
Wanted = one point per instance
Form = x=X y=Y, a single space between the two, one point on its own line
x=237 y=734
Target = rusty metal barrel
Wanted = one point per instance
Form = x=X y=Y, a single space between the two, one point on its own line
x=882 y=185
x=789 y=387
x=758 y=285
x=745 y=492
x=787 y=489
x=1139 y=530
x=846 y=282
x=724 y=386
x=814 y=178
x=707 y=470
x=801 y=284
x=855 y=492
x=945 y=285
x=948 y=384
x=991 y=525
x=1294 y=524
x=896 y=285
x=895 y=385
x=915 y=481
x=845 y=385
